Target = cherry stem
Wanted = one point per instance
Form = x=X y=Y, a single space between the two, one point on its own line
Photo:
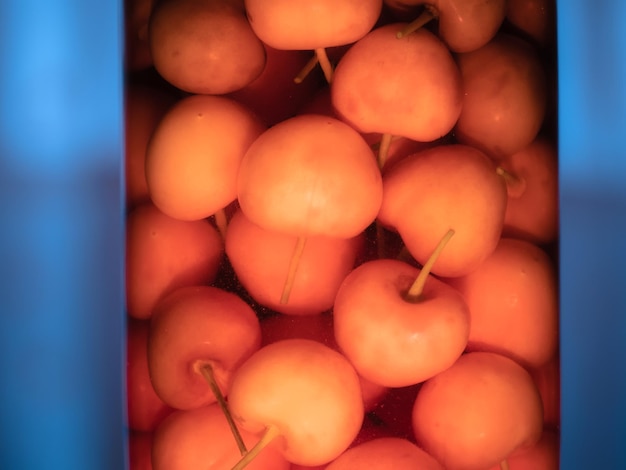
x=207 y=372
x=306 y=70
x=327 y=67
x=415 y=291
x=383 y=150
x=271 y=432
x=221 y=222
x=293 y=268
x=426 y=16
x=504 y=465
x=515 y=186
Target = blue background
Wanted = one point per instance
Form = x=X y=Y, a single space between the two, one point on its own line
x=62 y=236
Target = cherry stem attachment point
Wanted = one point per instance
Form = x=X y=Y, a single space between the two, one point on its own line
x=293 y=268
x=327 y=67
x=271 y=432
x=415 y=291
x=515 y=185
x=425 y=17
x=207 y=372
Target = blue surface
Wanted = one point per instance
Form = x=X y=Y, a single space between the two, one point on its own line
x=592 y=100
x=61 y=269
x=61 y=241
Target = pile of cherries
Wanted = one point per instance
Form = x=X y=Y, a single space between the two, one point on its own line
x=342 y=229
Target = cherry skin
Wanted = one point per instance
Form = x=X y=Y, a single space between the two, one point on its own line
x=548 y=380
x=285 y=24
x=532 y=211
x=414 y=89
x=390 y=340
x=163 y=254
x=476 y=413
x=204 y=46
x=304 y=395
x=429 y=192
x=193 y=158
x=505 y=96
x=513 y=296
x=261 y=260
x=544 y=455
x=385 y=453
x=310 y=175
x=145 y=408
x=200 y=439
x=195 y=327
x=535 y=18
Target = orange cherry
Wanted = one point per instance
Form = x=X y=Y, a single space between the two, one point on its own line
x=505 y=96
x=261 y=260
x=395 y=341
x=535 y=18
x=145 y=408
x=513 y=303
x=204 y=46
x=408 y=87
x=548 y=380
x=445 y=187
x=286 y=24
x=195 y=328
x=200 y=439
x=303 y=395
x=544 y=455
x=532 y=211
x=310 y=175
x=476 y=413
x=385 y=453
x=193 y=158
x=163 y=254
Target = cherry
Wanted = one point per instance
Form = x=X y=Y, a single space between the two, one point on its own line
x=163 y=254
x=200 y=439
x=303 y=395
x=398 y=325
x=476 y=413
x=414 y=89
x=531 y=175
x=505 y=96
x=199 y=333
x=205 y=46
x=446 y=187
x=145 y=408
x=513 y=303
x=385 y=453
x=310 y=175
x=193 y=158
x=284 y=24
